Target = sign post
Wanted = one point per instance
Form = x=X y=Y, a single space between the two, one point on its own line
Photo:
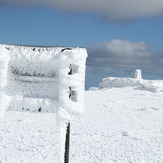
x=67 y=144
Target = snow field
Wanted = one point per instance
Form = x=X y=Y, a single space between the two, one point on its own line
x=122 y=125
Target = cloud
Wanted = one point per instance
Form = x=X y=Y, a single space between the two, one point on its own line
x=115 y=10
x=120 y=56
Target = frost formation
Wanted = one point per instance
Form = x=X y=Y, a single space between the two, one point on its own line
x=43 y=79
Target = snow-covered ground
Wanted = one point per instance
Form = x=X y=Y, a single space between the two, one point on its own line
x=122 y=125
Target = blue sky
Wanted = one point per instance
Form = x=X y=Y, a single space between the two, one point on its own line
x=116 y=44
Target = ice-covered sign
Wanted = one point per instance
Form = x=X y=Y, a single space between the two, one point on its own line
x=42 y=79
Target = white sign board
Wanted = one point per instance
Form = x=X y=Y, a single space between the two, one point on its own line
x=42 y=79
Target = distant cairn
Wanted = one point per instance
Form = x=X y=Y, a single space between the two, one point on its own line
x=138 y=74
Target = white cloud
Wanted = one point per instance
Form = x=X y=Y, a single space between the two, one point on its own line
x=124 y=56
x=122 y=47
x=112 y=9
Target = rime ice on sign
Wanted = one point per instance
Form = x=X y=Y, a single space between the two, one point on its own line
x=42 y=79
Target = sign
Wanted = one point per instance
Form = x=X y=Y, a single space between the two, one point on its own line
x=43 y=79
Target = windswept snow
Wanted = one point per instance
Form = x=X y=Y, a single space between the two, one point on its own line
x=122 y=125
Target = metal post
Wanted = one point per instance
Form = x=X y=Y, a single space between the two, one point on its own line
x=67 y=143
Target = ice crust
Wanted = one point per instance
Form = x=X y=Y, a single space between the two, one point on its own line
x=43 y=79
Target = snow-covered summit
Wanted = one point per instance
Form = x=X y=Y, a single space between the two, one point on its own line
x=137 y=81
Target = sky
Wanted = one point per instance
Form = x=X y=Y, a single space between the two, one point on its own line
x=119 y=35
